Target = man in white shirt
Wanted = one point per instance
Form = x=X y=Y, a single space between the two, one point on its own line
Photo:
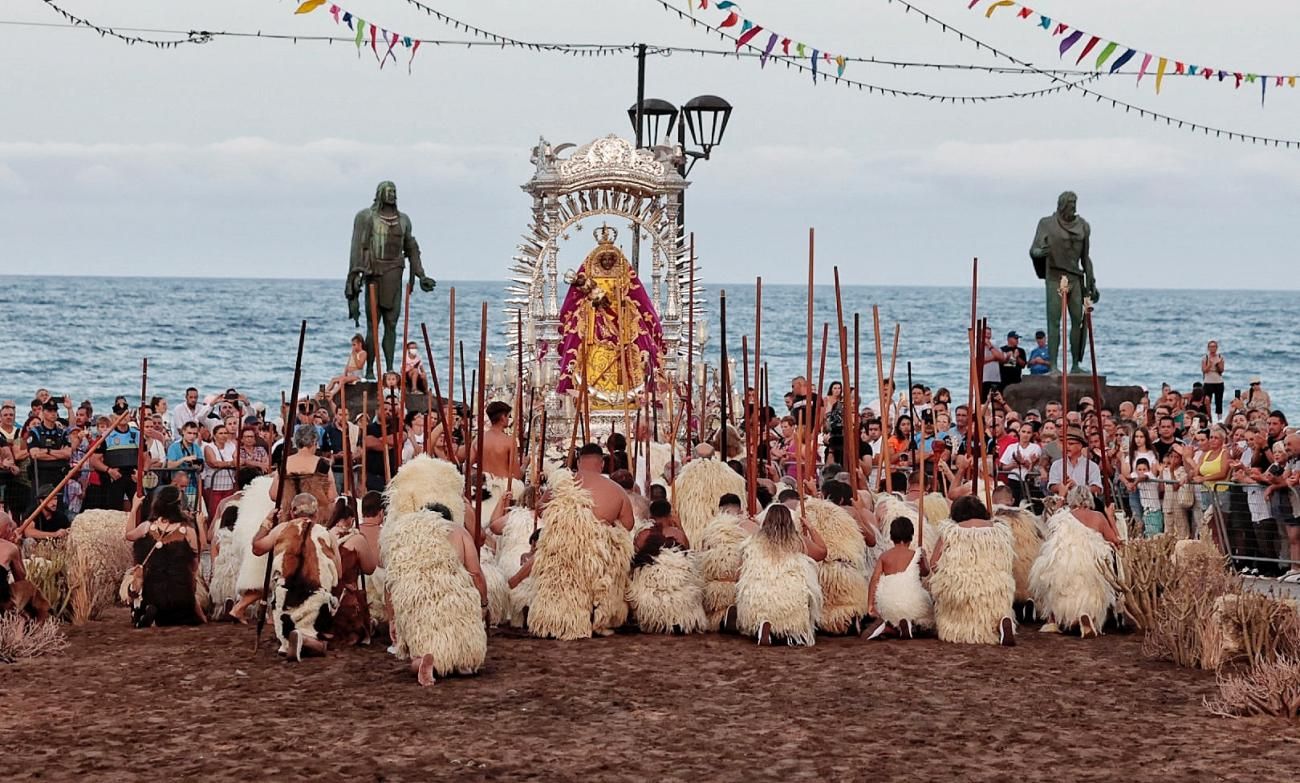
x=1020 y=461
x=1074 y=469
x=190 y=411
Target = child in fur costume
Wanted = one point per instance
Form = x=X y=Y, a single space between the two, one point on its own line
x=721 y=549
x=974 y=588
x=897 y=596
x=778 y=596
x=666 y=591
x=1069 y=580
x=438 y=593
x=305 y=568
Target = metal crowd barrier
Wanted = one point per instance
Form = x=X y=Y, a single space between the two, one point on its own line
x=1246 y=525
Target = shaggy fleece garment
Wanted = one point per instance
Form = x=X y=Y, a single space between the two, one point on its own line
x=225 y=569
x=721 y=550
x=843 y=575
x=435 y=604
x=973 y=586
x=254 y=506
x=569 y=561
x=497 y=586
x=1026 y=539
x=302 y=614
x=512 y=545
x=701 y=483
x=890 y=506
x=612 y=610
x=668 y=594
x=901 y=596
x=779 y=588
x=1068 y=580
x=98 y=555
x=426 y=480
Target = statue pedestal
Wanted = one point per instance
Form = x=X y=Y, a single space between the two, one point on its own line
x=1035 y=391
x=369 y=391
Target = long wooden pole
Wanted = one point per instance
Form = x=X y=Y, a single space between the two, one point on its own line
x=383 y=395
x=72 y=471
x=406 y=338
x=464 y=404
x=857 y=396
x=1064 y=292
x=724 y=390
x=349 y=486
x=451 y=374
x=817 y=403
x=750 y=410
x=479 y=482
x=142 y=454
x=446 y=409
x=1096 y=408
x=758 y=439
x=517 y=445
x=885 y=429
x=365 y=415
x=847 y=406
x=804 y=421
x=283 y=480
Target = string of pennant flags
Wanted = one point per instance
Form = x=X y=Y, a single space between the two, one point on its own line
x=1098 y=97
x=815 y=61
x=367 y=31
x=1118 y=55
x=191 y=36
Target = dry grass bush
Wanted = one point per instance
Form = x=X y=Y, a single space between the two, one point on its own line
x=22 y=638
x=89 y=594
x=47 y=568
x=1187 y=627
x=1271 y=688
x=1146 y=571
x=1264 y=629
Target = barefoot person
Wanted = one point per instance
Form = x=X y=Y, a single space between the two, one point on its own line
x=973 y=583
x=167 y=561
x=1069 y=579
x=438 y=593
x=351 y=370
x=357 y=559
x=305 y=569
x=897 y=596
x=778 y=597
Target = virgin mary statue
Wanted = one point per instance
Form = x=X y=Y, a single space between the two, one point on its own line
x=610 y=335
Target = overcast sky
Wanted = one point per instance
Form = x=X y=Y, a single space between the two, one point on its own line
x=248 y=158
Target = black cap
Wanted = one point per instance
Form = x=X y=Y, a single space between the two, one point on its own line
x=1013 y=334
x=50 y=405
x=1040 y=334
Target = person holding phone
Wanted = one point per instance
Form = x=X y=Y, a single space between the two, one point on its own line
x=1212 y=376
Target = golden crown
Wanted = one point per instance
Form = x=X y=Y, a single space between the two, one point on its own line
x=606 y=235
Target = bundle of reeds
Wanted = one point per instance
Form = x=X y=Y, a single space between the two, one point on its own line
x=1146 y=569
x=1271 y=688
x=22 y=638
x=47 y=568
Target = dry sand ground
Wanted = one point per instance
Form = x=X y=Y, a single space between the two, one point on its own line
x=192 y=703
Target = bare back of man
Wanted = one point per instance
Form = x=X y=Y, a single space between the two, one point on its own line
x=499 y=456
x=1099 y=522
x=611 y=502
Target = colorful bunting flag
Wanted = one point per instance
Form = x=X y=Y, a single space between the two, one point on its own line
x=360 y=26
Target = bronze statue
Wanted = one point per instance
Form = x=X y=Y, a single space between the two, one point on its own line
x=1060 y=250
x=381 y=240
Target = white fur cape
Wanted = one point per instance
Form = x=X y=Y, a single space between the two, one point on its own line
x=570 y=559
x=721 y=551
x=701 y=483
x=779 y=588
x=843 y=574
x=973 y=585
x=1068 y=580
x=668 y=594
x=254 y=506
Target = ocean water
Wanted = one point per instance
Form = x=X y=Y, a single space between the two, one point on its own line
x=86 y=336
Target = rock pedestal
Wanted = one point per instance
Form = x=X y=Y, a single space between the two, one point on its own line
x=1035 y=391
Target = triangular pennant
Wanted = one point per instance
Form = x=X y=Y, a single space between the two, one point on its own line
x=309 y=6
x=731 y=20
x=1070 y=40
x=1087 y=48
x=1122 y=60
x=1106 y=53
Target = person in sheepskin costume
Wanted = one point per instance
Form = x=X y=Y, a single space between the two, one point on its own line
x=612 y=507
x=721 y=549
x=438 y=593
x=254 y=507
x=305 y=569
x=514 y=531
x=699 y=485
x=843 y=574
x=898 y=597
x=1069 y=579
x=666 y=592
x=973 y=583
x=569 y=560
x=778 y=596
x=1026 y=538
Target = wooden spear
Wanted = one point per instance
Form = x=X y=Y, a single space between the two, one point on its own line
x=884 y=401
x=446 y=409
x=406 y=338
x=282 y=481
x=690 y=344
x=383 y=397
x=479 y=484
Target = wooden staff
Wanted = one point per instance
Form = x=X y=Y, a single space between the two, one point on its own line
x=383 y=397
x=451 y=368
x=973 y=390
x=519 y=386
x=76 y=467
x=464 y=403
x=981 y=430
x=428 y=416
x=537 y=471
x=910 y=418
x=888 y=405
x=1107 y=489
x=920 y=501
x=808 y=356
x=479 y=477
x=142 y=453
x=349 y=486
x=280 y=484
x=1064 y=291
x=857 y=397
x=725 y=387
x=690 y=344
x=365 y=430
x=847 y=409
x=406 y=338
x=884 y=400
x=446 y=410
x=672 y=447
x=750 y=410
x=816 y=405
x=758 y=412
x=582 y=390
